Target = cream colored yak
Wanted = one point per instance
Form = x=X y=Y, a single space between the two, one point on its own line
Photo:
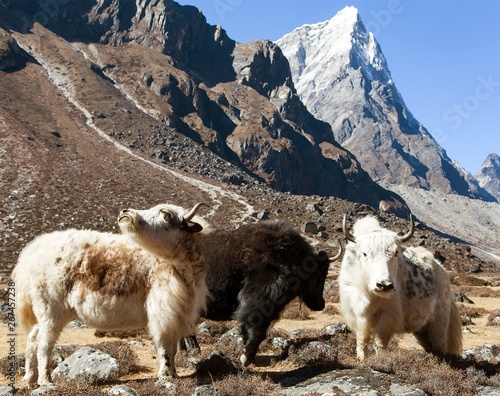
x=152 y=276
x=387 y=289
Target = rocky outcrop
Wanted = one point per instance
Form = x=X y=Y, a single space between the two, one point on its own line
x=11 y=56
x=342 y=77
x=488 y=175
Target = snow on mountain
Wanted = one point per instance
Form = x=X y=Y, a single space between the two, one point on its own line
x=342 y=76
x=488 y=175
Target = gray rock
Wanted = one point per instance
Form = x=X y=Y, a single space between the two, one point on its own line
x=485 y=352
x=87 y=364
x=122 y=390
x=169 y=386
x=76 y=324
x=354 y=385
x=309 y=228
x=488 y=391
x=205 y=390
x=311 y=208
x=280 y=342
x=400 y=390
x=338 y=328
x=43 y=389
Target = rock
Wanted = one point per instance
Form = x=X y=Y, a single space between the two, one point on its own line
x=400 y=390
x=309 y=228
x=43 y=389
x=122 y=390
x=169 y=386
x=485 y=352
x=488 y=391
x=205 y=390
x=88 y=364
x=339 y=328
x=216 y=364
x=313 y=208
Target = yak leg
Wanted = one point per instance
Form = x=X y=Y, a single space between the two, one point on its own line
x=189 y=343
x=432 y=338
x=382 y=341
x=253 y=335
x=166 y=356
x=31 y=365
x=363 y=335
x=46 y=338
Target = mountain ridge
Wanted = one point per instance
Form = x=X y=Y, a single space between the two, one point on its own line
x=488 y=175
x=197 y=99
x=348 y=84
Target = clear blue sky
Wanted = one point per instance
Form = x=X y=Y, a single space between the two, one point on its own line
x=444 y=56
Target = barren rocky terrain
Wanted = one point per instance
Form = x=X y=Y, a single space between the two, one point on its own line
x=85 y=134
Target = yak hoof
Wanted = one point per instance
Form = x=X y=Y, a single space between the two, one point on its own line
x=244 y=360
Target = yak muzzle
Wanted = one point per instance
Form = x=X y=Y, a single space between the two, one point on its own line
x=385 y=286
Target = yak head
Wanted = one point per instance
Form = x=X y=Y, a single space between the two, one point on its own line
x=371 y=257
x=161 y=229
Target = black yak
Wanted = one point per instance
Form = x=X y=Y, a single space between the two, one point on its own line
x=254 y=271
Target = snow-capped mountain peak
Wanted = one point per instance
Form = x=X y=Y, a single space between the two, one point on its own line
x=488 y=175
x=342 y=76
x=334 y=44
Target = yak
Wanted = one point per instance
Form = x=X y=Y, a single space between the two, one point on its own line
x=254 y=271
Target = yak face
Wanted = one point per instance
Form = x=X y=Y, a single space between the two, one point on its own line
x=372 y=256
x=313 y=272
x=159 y=229
x=377 y=262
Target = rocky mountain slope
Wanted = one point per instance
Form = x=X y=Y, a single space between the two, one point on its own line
x=181 y=73
x=488 y=175
x=113 y=104
x=343 y=78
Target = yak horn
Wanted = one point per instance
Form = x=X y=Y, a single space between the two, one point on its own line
x=337 y=256
x=188 y=216
x=348 y=236
x=409 y=234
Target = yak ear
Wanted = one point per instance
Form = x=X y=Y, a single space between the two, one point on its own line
x=190 y=226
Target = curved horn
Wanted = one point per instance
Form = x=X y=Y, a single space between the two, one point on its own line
x=337 y=256
x=188 y=216
x=348 y=236
x=409 y=234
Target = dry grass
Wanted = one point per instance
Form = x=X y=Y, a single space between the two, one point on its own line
x=483 y=291
x=296 y=310
x=468 y=280
x=311 y=350
x=471 y=311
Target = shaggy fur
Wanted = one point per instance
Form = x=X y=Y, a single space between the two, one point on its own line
x=254 y=271
x=387 y=289
x=154 y=277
